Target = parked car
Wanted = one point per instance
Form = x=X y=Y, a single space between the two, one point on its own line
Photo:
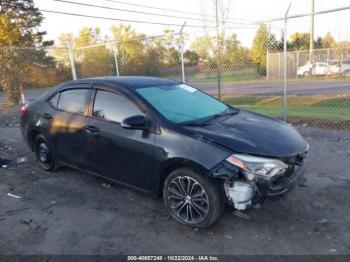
x=345 y=67
x=167 y=138
x=316 y=69
x=334 y=67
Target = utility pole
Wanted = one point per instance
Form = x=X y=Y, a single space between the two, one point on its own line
x=71 y=60
x=115 y=53
x=218 y=48
x=312 y=29
x=285 y=98
x=182 y=53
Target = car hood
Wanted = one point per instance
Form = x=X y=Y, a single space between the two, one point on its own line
x=251 y=133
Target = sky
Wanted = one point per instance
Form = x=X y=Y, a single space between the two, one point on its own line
x=241 y=11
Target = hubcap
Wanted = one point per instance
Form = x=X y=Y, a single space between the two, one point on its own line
x=188 y=199
x=43 y=153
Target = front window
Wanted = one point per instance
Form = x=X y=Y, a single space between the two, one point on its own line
x=181 y=103
x=114 y=107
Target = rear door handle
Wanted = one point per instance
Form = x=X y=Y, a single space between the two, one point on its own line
x=93 y=130
x=46 y=115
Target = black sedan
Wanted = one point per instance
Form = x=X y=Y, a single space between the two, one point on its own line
x=167 y=138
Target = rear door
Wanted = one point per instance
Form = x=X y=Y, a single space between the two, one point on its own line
x=121 y=154
x=320 y=68
x=68 y=119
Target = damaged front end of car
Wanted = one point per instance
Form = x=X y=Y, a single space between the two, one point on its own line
x=249 y=179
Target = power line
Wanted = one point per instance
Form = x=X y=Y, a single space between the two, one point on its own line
x=305 y=15
x=154 y=7
x=116 y=19
x=139 y=12
x=130 y=21
x=172 y=10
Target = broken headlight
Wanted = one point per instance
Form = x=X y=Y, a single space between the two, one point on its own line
x=257 y=167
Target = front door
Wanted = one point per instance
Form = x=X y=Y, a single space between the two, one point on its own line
x=122 y=154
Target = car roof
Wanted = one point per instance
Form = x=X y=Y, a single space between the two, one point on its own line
x=131 y=82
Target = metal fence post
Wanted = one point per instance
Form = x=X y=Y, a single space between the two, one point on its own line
x=297 y=62
x=327 y=56
x=279 y=65
x=115 y=53
x=267 y=63
x=71 y=59
x=341 y=62
x=182 y=54
x=285 y=65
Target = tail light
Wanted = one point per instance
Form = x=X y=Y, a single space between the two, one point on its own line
x=24 y=110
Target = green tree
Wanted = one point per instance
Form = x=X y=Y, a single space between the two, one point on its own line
x=203 y=46
x=191 y=57
x=19 y=22
x=259 y=48
x=61 y=54
x=152 y=61
x=328 y=41
x=172 y=48
x=27 y=17
x=234 y=54
x=130 y=48
x=95 y=60
x=299 y=41
x=154 y=57
x=10 y=34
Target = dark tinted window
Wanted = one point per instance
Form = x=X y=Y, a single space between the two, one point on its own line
x=54 y=100
x=73 y=100
x=181 y=103
x=114 y=107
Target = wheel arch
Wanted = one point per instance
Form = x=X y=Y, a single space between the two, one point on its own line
x=31 y=137
x=176 y=163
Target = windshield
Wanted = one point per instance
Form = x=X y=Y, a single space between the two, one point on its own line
x=181 y=103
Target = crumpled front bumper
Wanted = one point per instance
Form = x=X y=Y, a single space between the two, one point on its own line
x=282 y=185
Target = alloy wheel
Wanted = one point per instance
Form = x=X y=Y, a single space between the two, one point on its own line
x=188 y=200
x=43 y=152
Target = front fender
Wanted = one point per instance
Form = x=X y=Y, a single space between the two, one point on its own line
x=173 y=150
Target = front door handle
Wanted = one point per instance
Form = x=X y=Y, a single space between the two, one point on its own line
x=92 y=130
x=46 y=115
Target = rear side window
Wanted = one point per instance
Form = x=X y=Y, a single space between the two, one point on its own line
x=73 y=101
x=113 y=106
x=54 y=100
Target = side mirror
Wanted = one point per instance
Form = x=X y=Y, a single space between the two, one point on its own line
x=135 y=122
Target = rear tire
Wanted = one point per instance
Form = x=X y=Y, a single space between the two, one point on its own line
x=44 y=153
x=193 y=199
x=346 y=73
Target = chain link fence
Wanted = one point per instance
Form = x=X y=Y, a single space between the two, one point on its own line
x=318 y=80
x=245 y=73
x=330 y=63
x=30 y=69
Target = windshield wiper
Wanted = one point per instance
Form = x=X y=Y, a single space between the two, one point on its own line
x=228 y=111
x=204 y=121
x=194 y=123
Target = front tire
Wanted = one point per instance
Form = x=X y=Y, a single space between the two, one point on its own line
x=44 y=154
x=193 y=199
x=307 y=74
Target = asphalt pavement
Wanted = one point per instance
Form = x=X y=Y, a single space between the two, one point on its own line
x=68 y=212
